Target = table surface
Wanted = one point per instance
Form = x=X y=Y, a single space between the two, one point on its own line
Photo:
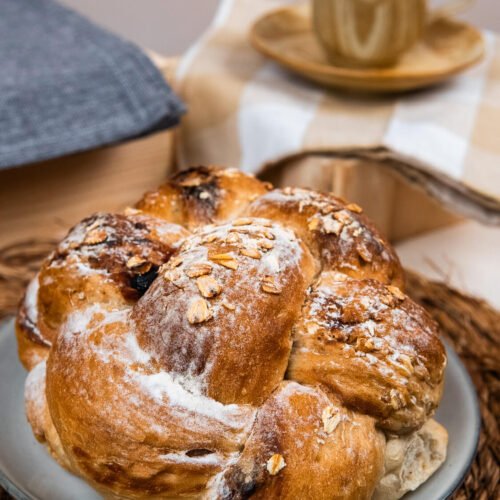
x=464 y=255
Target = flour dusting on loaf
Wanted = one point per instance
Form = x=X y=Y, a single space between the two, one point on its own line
x=223 y=339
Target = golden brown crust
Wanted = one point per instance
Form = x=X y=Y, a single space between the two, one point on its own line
x=158 y=354
x=202 y=195
x=32 y=348
x=374 y=347
x=126 y=425
x=38 y=414
x=230 y=327
x=109 y=259
x=305 y=445
x=338 y=234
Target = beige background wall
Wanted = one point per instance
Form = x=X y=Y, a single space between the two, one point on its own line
x=169 y=26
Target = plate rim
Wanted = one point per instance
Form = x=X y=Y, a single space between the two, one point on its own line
x=450 y=351
x=12 y=489
x=363 y=76
x=17 y=492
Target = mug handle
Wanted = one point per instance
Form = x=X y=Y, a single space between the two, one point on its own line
x=451 y=8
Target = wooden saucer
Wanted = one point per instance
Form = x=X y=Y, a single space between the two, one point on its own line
x=447 y=48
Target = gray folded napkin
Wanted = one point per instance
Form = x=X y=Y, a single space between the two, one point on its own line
x=67 y=85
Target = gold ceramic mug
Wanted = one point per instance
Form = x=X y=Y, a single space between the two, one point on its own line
x=373 y=32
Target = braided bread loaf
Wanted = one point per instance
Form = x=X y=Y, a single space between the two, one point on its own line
x=226 y=340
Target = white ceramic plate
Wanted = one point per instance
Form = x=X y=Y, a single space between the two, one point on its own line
x=28 y=472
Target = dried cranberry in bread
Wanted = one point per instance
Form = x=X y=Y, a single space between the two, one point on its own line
x=107 y=259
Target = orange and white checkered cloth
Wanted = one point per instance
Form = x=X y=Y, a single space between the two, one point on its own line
x=245 y=111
